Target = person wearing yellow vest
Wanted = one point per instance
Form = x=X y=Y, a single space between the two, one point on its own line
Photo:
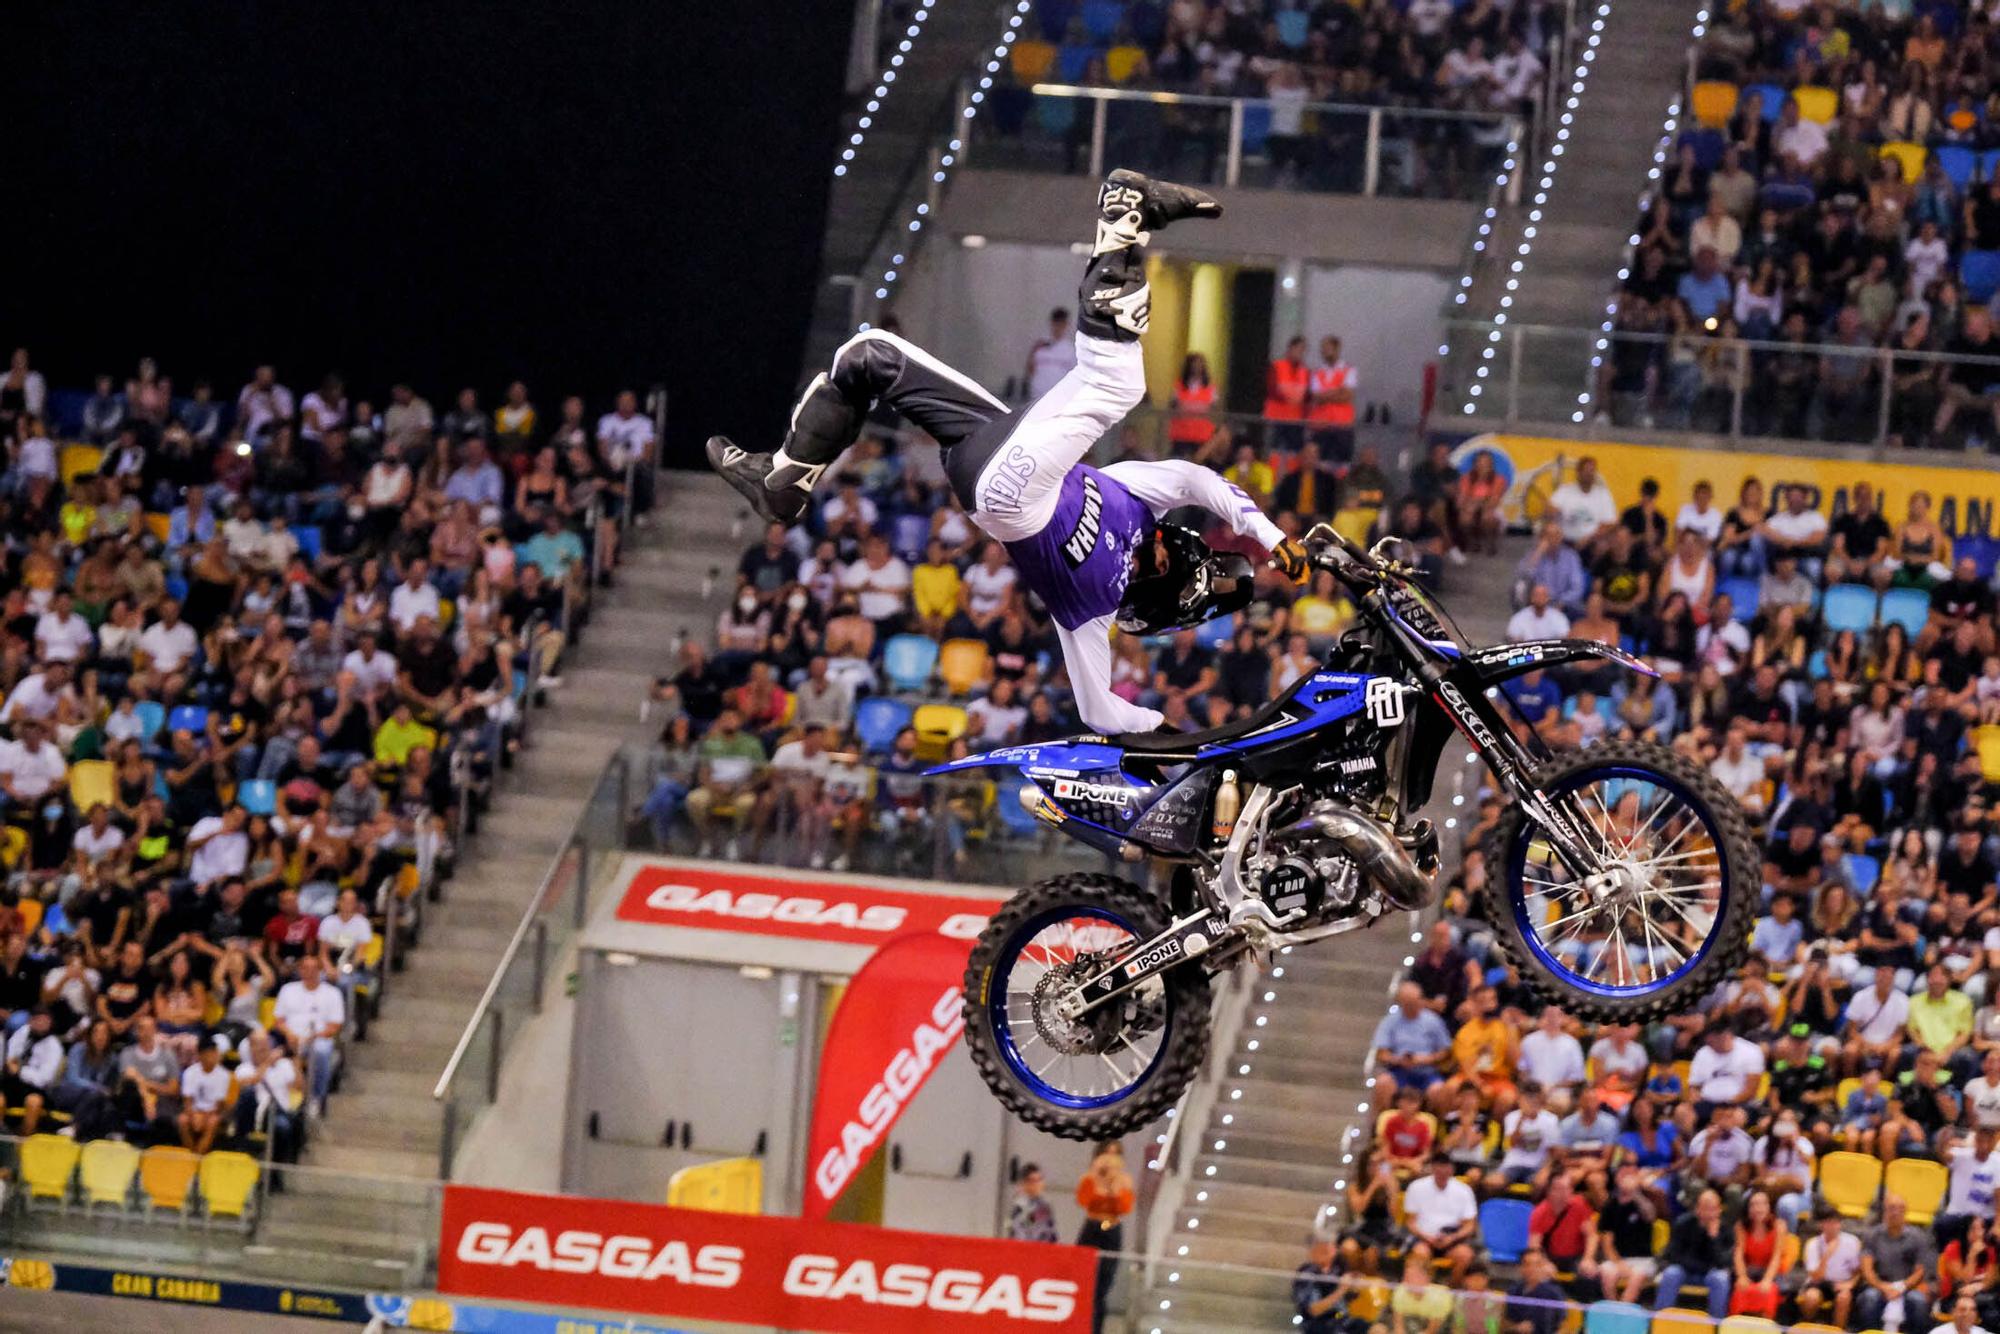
x=1194 y=400
x=1330 y=402
x=1286 y=387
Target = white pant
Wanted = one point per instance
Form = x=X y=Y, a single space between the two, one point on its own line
x=1017 y=489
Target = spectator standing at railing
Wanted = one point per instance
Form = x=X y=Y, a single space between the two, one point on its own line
x=1030 y=1217
x=1287 y=385
x=1051 y=358
x=1330 y=401
x=1194 y=402
x=1106 y=1197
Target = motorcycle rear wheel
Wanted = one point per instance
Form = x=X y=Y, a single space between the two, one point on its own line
x=1154 y=1041
x=1677 y=924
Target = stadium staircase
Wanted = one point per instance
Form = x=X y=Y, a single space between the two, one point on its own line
x=1269 y=1159
x=891 y=165
x=1581 y=241
x=383 y=1121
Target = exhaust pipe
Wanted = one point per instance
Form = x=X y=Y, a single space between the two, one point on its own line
x=1383 y=860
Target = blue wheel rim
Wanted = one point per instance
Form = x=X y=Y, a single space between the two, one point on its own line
x=1626 y=778
x=1002 y=1022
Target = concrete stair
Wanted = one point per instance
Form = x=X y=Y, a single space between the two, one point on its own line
x=1277 y=1146
x=364 y=1192
x=1581 y=238
x=956 y=39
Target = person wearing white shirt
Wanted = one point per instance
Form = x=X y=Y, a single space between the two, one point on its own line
x=1552 y=1058
x=1725 y=1070
x=371 y=668
x=243 y=533
x=218 y=847
x=624 y=435
x=1833 y=1263
x=169 y=642
x=60 y=634
x=1530 y=1133
x=1927 y=256
x=38 y=457
x=39 y=694
x=1539 y=619
x=1584 y=506
x=31 y=767
x=1975 y=1176
x=1719 y=1154
x=98 y=838
x=1701 y=515
x=34 y=1062
x=1739 y=771
x=263 y=404
x=880 y=580
x=1051 y=358
x=1982 y=1094
x=1441 y=1211
x=1875 y=1019
x=207 y=1093
x=414 y=598
x=1801 y=138
x=310 y=1013
x=271 y=1077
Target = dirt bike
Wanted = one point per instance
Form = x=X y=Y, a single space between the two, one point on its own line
x=1621 y=879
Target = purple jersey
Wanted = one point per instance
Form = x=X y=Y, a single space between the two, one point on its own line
x=1080 y=561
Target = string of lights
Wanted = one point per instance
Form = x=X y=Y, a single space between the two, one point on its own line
x=881 y=93
x=1586 y=399
x=1579 y=78
x=949 y=157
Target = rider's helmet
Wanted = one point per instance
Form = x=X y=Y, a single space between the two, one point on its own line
x=1178 y=581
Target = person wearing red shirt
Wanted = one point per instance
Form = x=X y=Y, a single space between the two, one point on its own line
x=1561 y=1225
x=1408 y=1132
x=289 y=934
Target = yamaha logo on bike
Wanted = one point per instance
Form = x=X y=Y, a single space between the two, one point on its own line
x=1384 y=700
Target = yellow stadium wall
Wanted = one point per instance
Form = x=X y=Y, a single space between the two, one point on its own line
x=1964 y=498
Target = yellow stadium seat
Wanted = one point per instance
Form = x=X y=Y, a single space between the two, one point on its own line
x=1033 y=61
x=730 y=1186
x=31 y=911
x=267 y=1011
x=963 y=664
x=1714 y=103
x=1122 y=62
x=1817 y=1329
x=1370 y=1301
x=165 y=1175
x=228 y=1181
x=1354 y=524
x=1681 y=1320
x=92 y=783
x=1662 y=1232
x=13 y=843
x=160 y=526
x=938 y=725
x=1842 y=1091
x=1986 y=740
x=47 y=1162
x=76 y=460
x=1748 y=1324
x=1816 y=103
x=1921 y=1184
x=1849 y=1182
x=1910 y=155
x=106 y=1168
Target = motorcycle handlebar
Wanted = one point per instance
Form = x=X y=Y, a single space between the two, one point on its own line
x=1361 y=571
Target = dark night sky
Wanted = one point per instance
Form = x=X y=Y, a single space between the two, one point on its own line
x=582 y=194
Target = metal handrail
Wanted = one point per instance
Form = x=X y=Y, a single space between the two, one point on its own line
x=1212 y=100
x=1874 y=351
x=522 y=930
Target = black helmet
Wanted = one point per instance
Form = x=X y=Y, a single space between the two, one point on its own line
x=1178 y=581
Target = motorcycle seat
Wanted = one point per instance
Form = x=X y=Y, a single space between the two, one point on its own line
x=1188 y=743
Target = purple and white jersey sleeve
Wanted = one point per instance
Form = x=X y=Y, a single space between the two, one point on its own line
x=1168 y=484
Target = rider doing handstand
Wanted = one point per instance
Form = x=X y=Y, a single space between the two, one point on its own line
x=1088 y=541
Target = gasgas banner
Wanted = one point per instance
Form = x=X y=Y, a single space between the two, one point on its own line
x=900 y=1015
x=1964 y=500
x=794 y=905
x=559 y=1250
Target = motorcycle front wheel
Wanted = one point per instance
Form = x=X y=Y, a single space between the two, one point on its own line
x=1662 y=916
x=1101 y=1074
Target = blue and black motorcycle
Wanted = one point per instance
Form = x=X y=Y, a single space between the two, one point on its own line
x=1621 y=879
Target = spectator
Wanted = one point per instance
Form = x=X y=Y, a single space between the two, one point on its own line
x=1050 y=358
x=1897 y=1261
x=1698 y=1248
x=1440 y=1212
x=1030 y=1217
x=1411 y=1042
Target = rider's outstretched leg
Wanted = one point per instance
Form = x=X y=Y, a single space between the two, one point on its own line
x=1114 y=299
x=872 y=366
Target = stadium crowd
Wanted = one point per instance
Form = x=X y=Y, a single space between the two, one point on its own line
x=1819 y=1139
x=1430 y=54
x=1837 y=197
x=259 y=659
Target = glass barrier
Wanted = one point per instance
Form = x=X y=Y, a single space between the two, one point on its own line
x=1740 y=389
x=1325 y=148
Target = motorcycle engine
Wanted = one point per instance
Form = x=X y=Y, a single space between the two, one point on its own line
x=1299 y=869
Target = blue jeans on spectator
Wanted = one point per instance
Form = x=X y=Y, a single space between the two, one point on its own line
x=321 y=1058
x=1746 y=560
x=1869 y=1304
x=1671 y=1278
x=278 y=752
x=663 y=807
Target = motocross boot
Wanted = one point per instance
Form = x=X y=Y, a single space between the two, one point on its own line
x=779 y=486
x=1114 y=300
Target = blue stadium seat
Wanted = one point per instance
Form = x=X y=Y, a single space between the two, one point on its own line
x=877 y=719
x=1849 y=607
x=1773 y=95
x=1616 y=1318
x=1294 y=26
x=1708 y=146
x=1073 y=62
x=152 y=716
x=1503 y=1226
x=1102 y=17
x=310 y=540
x=1816 y=664
x=1256 y=126
x=1958 y=165
x=1054 y=115
x=177 y=588
x=1989 y=161
x=1983 y=552
x=1864 y=869
x=1742 y=596
x=908 y=661
x=259 y=796
x=188 y=718
x=1907 y=607
x=1979 y=271
x=1216 y=634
